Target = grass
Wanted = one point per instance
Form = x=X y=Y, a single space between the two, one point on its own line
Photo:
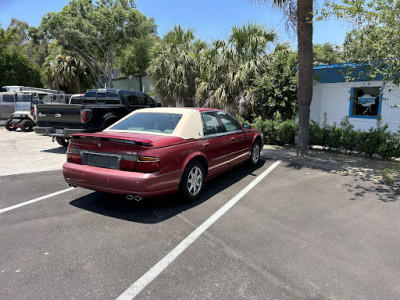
x=390 y=176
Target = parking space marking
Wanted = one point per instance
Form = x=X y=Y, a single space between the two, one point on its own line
x=35 y=200
x=150 y=275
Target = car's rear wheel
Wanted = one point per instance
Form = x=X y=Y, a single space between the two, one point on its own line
x=8 y=126
x=62 y=142
x=192 y=182
x=27 y=125
x=255 y=154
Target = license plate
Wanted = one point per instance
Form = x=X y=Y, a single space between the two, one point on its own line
x=60 y=131
x=103 y=161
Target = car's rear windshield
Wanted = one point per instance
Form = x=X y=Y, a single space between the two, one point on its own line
x=150 y=122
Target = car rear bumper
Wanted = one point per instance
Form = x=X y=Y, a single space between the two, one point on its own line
x=121 y=182
x=63 y=133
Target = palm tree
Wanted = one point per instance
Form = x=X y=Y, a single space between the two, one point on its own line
x=67 y=73
x=174 y=65
x=300 y=12
x=229 y=68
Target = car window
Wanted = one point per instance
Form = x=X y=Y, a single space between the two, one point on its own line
x=24 y=98
x=8 y=98
x=134 y=100
x=150 y=122
x=101 y=98
x=229 y=122
x=211 y=124
x=90 y=97
x=112 y=98
x=148 y=100
x=75 y=100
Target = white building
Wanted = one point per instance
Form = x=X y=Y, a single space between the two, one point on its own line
x=361 y=100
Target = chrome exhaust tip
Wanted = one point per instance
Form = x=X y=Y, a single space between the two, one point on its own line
x=137 y=198
x=131 y=197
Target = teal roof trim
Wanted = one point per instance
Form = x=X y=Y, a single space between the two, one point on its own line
x=339 y=72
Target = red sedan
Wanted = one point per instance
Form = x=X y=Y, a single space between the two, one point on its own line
x=158 y=151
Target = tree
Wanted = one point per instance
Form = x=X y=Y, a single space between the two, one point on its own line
x=275 y=88
x=67 y=73
x=135 y=59
x=327 y=53
x=174 y=65
x=229 y=69
x=96 y=33
x=373 y=41
x=15 y=67
x=300 y=13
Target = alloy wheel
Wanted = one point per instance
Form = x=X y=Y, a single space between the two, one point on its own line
x=195 y=181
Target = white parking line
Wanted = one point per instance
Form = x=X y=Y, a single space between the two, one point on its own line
x=147 y=278
x=35 y=200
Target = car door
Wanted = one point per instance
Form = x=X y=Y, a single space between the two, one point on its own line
x=240 y=144
x=215 y=144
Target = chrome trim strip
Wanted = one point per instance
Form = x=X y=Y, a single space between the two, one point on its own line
x=226 y=162
x=222 y=134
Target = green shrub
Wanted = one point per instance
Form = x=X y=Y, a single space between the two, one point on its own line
x=348 y=138
x=390 y=147
x=343 y=137
x=334 y=137
x=286 y=131
x=372 y=140
x=375 y=141
x=276 y=131
x=315 y=134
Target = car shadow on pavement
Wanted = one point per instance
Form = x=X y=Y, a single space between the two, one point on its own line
x=155 y=210
x=58 y=150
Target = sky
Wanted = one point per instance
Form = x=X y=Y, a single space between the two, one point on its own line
x=211 y=19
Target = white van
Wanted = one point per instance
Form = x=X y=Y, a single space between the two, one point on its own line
x=14 y=95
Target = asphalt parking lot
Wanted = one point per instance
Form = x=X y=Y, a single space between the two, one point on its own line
x=299 y=233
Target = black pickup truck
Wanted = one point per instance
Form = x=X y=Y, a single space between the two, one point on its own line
x=99 y=109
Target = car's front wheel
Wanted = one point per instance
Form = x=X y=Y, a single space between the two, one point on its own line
x=255 y=154
x=192 y=182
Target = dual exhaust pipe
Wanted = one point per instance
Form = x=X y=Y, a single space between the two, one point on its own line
x=132 y=197
x=128 y=197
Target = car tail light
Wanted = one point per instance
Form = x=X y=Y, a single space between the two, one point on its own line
x=147 y=164
x=127 y=165
x=86 y=115
x=73 y=156
x=34 y=112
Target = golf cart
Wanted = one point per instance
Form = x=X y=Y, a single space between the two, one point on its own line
x=22 y=117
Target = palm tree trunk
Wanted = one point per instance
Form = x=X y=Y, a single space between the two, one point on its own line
x=305 y=78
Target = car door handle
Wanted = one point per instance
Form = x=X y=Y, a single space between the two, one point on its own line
x=205 y=145
x=233 y=139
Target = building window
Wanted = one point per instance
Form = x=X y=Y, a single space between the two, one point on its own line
x=365 y=102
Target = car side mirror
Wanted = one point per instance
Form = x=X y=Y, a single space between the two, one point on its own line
x=246 y=126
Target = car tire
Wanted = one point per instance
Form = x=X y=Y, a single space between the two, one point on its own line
x=254 y=158
x=62 y=141
x=192 y=182
x=8 y=127
x=26 y=125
